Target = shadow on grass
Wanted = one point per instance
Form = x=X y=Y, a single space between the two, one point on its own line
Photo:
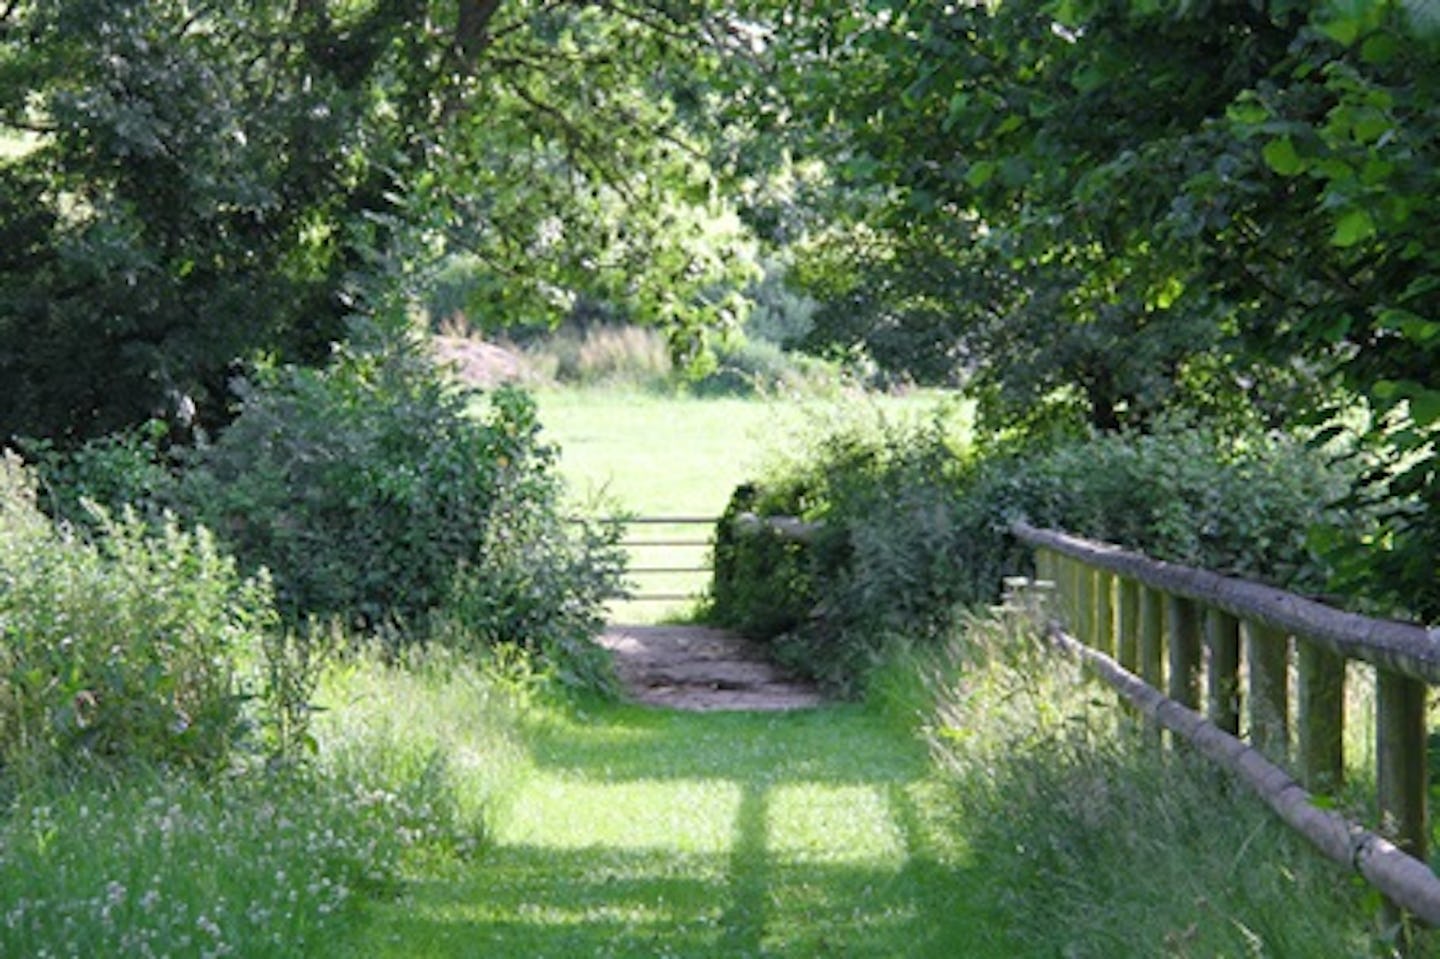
x=824 y=844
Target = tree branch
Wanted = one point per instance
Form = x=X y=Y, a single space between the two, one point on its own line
x=577 y=140
x=472 y=36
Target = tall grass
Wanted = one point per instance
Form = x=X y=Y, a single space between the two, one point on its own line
x=633 y=356
x=410 y=767
x=1098 y=841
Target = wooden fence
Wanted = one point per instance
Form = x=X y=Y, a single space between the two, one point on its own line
x=662 y=549
x=1233 y=645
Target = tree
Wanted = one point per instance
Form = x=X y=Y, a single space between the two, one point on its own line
x=1139 y=204
x=212 y=181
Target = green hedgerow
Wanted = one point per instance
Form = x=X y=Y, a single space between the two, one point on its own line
x=916 y=530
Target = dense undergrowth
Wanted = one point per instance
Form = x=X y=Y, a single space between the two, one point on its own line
x=411 y=765
x=173 y=777
x=915 y=525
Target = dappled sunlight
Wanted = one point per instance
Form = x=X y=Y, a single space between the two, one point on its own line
x=653 y=833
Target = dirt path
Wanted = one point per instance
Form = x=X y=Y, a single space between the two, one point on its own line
x=701 y=669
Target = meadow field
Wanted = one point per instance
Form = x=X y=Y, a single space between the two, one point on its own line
x=634 y=453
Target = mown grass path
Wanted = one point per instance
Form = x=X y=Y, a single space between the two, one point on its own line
x=646 y=832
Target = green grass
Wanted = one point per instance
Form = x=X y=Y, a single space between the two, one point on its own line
x=647 y=833
x=649 y=454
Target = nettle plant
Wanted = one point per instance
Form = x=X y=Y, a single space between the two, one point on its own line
x=125 y=647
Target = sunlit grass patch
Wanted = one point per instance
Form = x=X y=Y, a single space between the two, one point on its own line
x=814 y=822
x=645 y=833
x=566 y=812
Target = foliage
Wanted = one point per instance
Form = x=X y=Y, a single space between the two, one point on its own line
x=124 y=469
x=746 y=367
x=916 y=531
x=372 y=493
x=761 y=584
x=281 y=863
x=1118 y=209
x=126 y=649
x=1067 y=795
x=206 y=183
x=604 y=355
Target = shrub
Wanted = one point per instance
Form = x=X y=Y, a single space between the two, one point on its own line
x=605 y=354
x=761 y=584
x=915 y=531
x=372 y=493
x=749 y=366
x=123 y=469
x=127 y=648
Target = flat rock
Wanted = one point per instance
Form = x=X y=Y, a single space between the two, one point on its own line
x=699 y=668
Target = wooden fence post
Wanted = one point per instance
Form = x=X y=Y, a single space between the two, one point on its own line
x=1183 y=617
x=1400 y=759
x=1222 y=637
x=1105 y=612
x=1267 y=657
x=1080 y=602
x=1400 y=772
x=1128 y=645
x=1044 y=565
x=1152 y=637
x=1322 y=716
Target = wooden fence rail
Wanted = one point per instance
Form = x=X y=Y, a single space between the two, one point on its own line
x=653 y=544
x=1231 y=646
x=1161 y=619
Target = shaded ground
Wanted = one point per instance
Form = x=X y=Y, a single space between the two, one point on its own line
x=701 y=669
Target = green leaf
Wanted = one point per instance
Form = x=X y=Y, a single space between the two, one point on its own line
x=1354 y=226
x=1370 y=124
x=980 y=173
x=1379 y=48
x=1411 y=326
x=1089 y=78
x=1342 y=21
x=1425 y=407
x=1247 y=110
x=1281 y=156
x=1385 y=389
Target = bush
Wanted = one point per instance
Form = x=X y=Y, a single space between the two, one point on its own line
x=748 y=366
x=124 y=469
x=373 y=494
x=124 y=649
x=915 y=531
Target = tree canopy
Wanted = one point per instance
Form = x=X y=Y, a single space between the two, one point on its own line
x=1096 y=210
x=1106 y=209
x=211 y=181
